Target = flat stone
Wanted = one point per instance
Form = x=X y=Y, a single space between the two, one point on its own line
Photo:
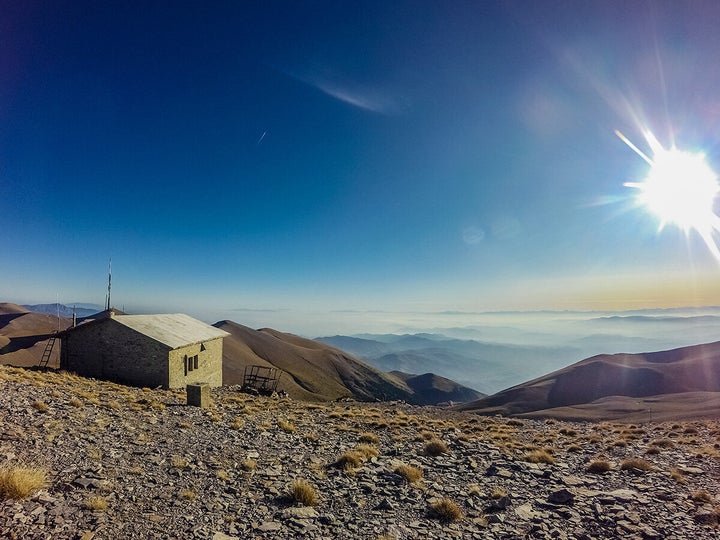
x=622 y=495
x=268 y=526
x=223 y=536
x=301 y=512
x=525 y=511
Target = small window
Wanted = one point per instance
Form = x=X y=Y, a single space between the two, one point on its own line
x=185 y=362
x=195 y=361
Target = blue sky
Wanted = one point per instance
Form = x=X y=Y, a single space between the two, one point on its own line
x=283 y=162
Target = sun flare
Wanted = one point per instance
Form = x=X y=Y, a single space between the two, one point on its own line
x=680 y=188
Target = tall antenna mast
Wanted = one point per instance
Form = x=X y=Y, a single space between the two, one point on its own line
x=107 y=307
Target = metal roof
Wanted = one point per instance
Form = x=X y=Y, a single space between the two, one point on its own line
x=172 y=329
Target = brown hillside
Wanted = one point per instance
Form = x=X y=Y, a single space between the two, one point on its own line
x=23 y=335
x=310 y=369
x=661 y=408
x=687 y=369
x=7 y=308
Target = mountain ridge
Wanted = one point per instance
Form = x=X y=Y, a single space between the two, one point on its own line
x=596 y=379
x=317 y=371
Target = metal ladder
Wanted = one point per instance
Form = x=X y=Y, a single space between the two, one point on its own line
x=46 y=353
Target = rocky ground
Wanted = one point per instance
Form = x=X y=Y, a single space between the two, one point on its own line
x=138 y=463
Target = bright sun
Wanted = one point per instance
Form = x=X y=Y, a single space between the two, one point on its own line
x=680 y=188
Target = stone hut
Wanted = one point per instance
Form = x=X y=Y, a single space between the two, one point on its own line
x=168 y=350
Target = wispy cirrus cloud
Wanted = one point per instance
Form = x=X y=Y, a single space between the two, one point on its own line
x=361 y=96
x=362 y=99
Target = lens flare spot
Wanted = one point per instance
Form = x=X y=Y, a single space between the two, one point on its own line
x=680 y=189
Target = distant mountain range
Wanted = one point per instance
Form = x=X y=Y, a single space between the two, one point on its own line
x=487 y=367
x=80 y=310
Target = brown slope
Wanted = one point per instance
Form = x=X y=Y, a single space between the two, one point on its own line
x=687 y=369
x=7 y=308
x=661 y=408
x=24 y=334
x=310 y=369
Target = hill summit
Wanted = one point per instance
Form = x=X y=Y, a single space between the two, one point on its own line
x=674 y=384
x=316 y=371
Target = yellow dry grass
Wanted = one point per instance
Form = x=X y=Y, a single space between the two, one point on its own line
x=412 y=475
x=435 y=447
x=637 y=464
x=446 y=510
x=539 y=456
x=301 y=491
x=598 y=466
x=20 y=482
x=96 y=503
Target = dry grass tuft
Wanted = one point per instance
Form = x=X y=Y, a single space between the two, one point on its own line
x=678 y=476
x=435 y=447
x=188 y=494
x=498 y=493
x=446 y=510
x=539 y=456
x=702 y=495
x=96 y=503
x=369 y=438
x=20 y=482
x=412 y=475
x=40 y=406
x=248 y=465
x=349 y=460
x=75 y=402
x=475 y=490
x=598 y=466
x=238 y=423
x=286 y=426
x=368 y=451
x=637 y=464
x=179 y=462
x=301 y=491
x=663 y=443
x=311 y=438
